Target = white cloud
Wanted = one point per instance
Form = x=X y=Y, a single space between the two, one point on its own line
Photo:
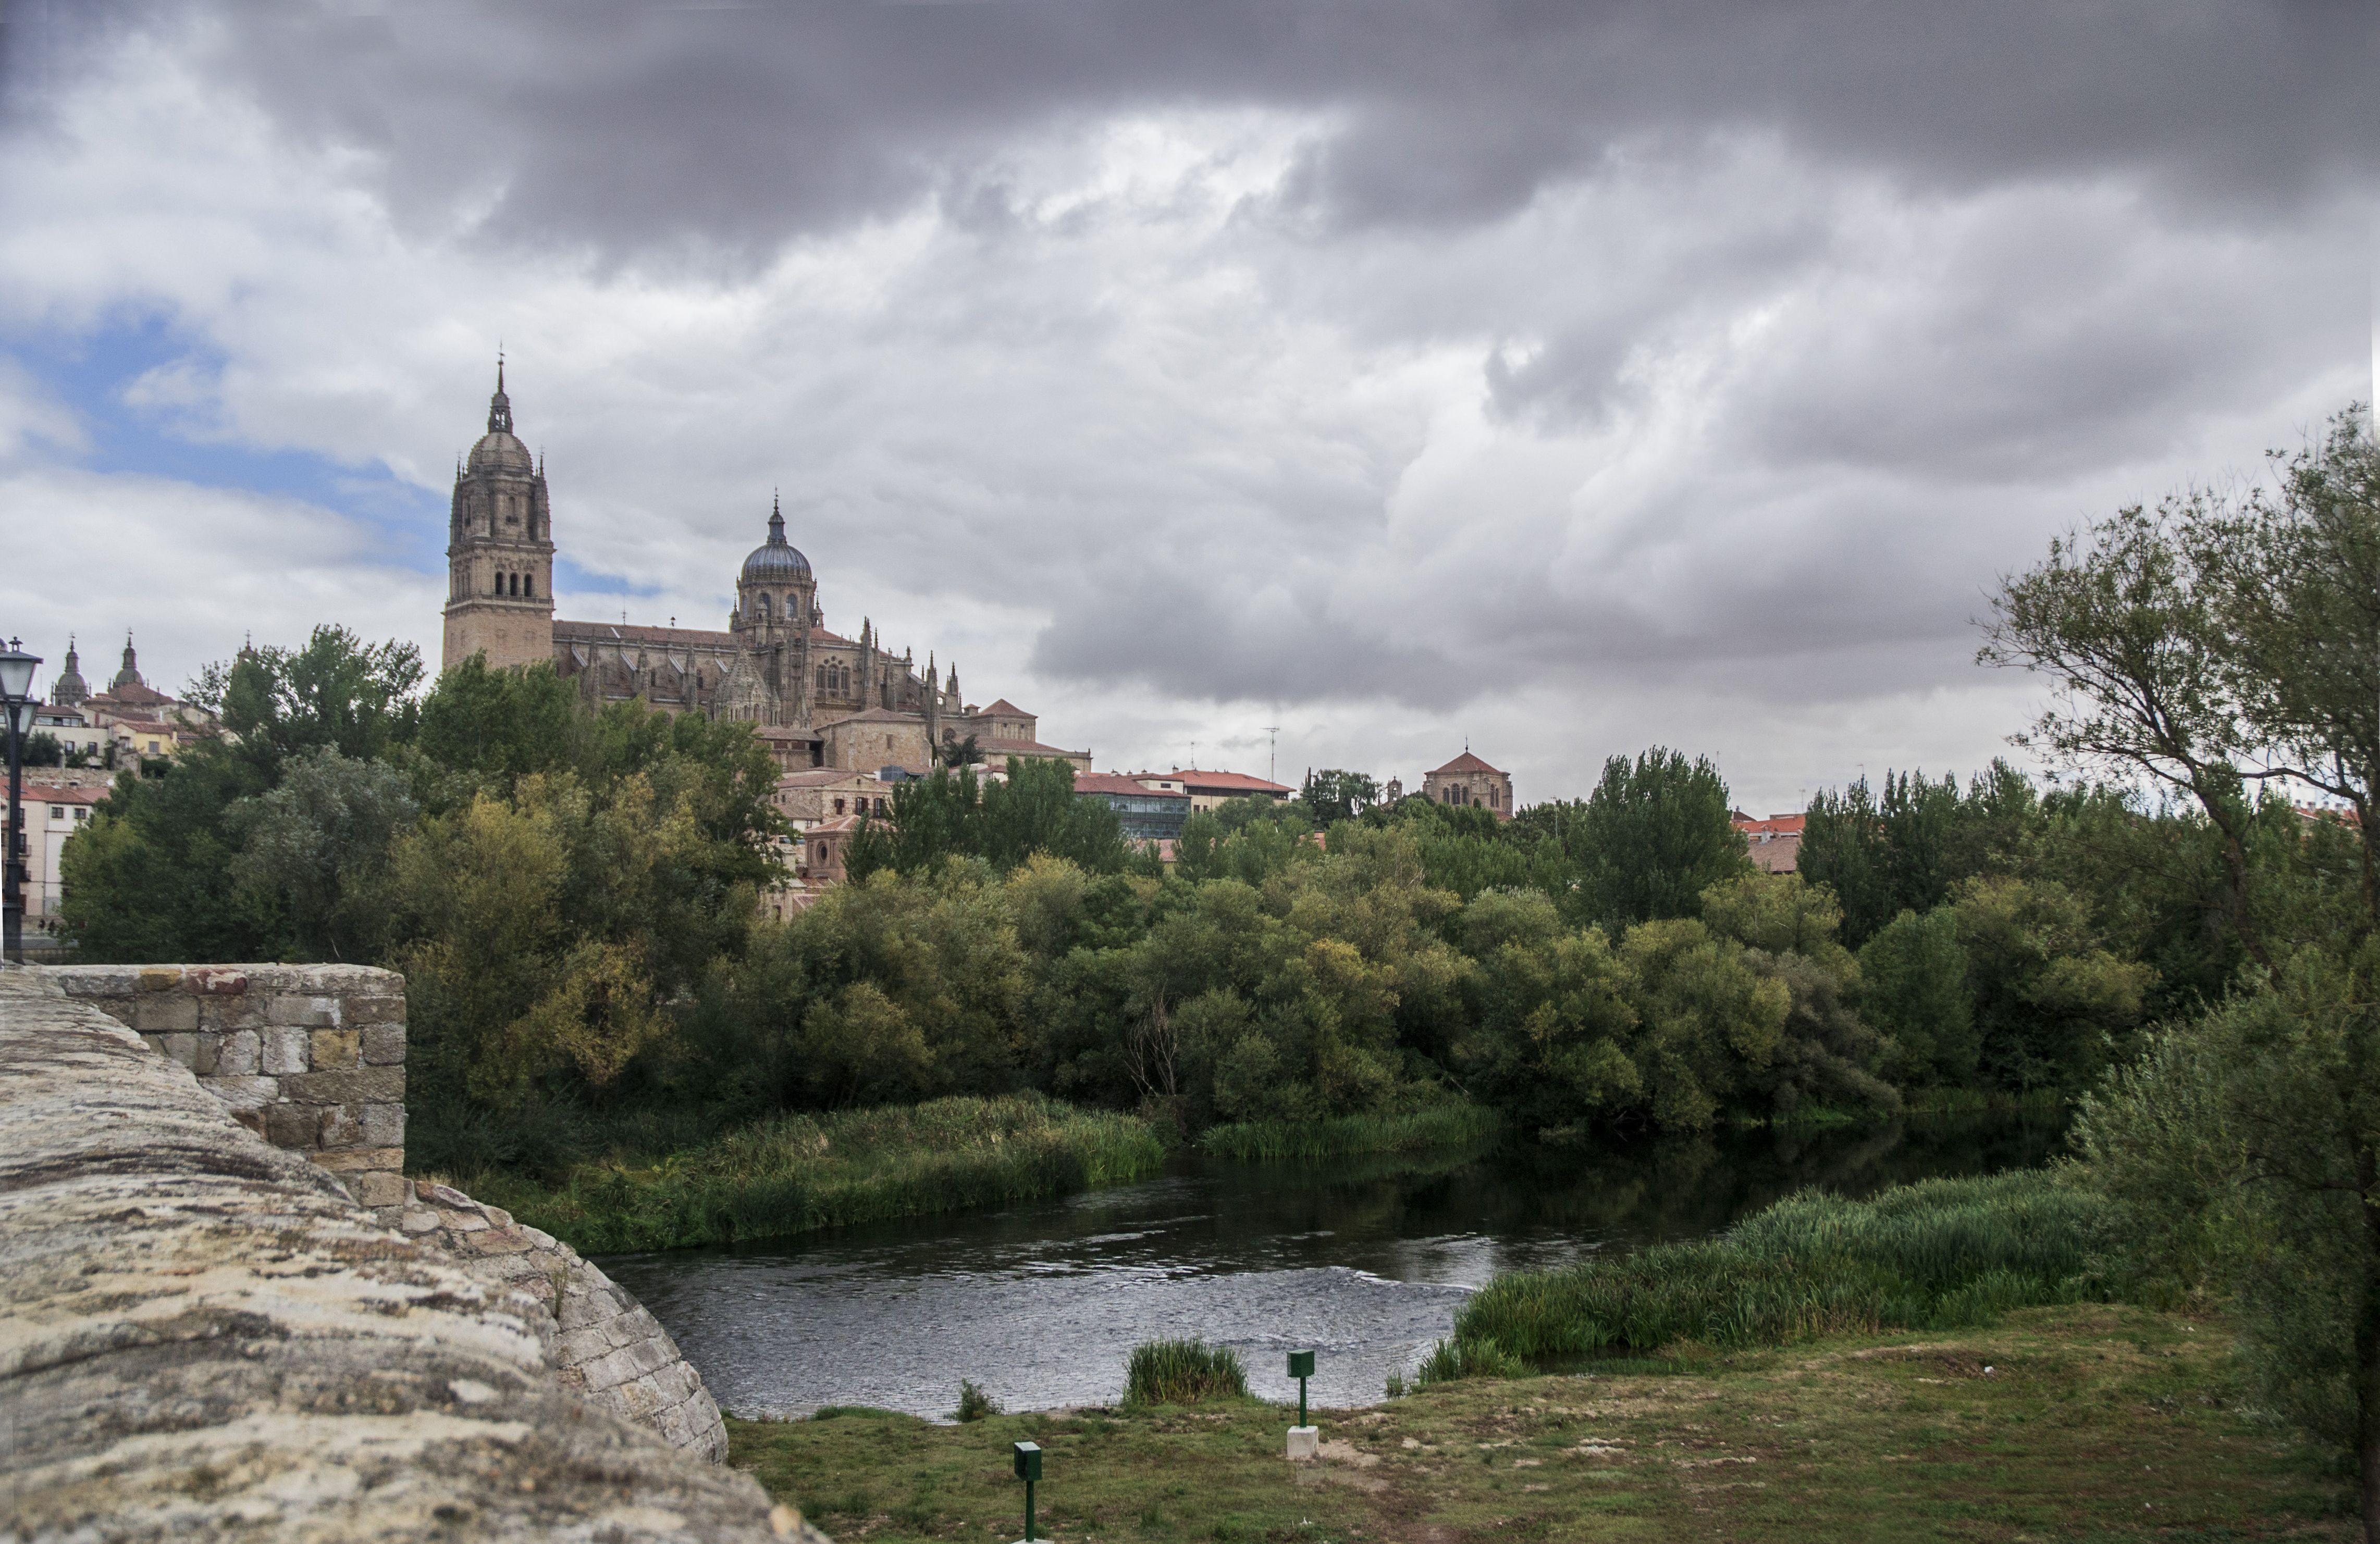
x=1716 y=446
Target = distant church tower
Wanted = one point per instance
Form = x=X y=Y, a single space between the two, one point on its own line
x=499 y=550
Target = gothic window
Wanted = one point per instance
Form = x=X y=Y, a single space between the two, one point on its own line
x=822 y=679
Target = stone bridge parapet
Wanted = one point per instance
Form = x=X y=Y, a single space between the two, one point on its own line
x=203 y=1335
x=310 y=1057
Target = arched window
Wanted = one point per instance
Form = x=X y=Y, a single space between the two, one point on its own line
x=822 y=679
x=500 y=584
x=528 y=586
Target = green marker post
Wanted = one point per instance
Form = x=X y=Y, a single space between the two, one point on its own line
x=1029 y=1469
x=1304 y=1441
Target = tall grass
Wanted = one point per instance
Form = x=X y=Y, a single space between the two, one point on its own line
x=1183 y=1373
x=1936 y=1254
x=798 y=1173
x=1454 y=1124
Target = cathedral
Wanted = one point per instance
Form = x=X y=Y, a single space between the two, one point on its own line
x=817 y=697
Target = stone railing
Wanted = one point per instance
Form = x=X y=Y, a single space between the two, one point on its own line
x=202 y=1334
x=310 y=1057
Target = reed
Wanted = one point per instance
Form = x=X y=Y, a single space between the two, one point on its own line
x=1452 y=1125
x=1183 y=1373
x=794 y=1174
x=1937 y=1254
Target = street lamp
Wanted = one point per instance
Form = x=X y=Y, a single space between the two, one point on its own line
x=16 y=702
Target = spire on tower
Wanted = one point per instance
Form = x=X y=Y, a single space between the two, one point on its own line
x=776 y=520
x=500 y=407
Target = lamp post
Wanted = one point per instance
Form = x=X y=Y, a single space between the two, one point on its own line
x=17 y=703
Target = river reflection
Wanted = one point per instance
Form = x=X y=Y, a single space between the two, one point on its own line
x=1365 y=1260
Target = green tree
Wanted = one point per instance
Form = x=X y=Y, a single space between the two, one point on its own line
x=2211 y=645
x=1331 y=795
x=1660 y=832
x=1553 y=1024
x=1914 y=988
x=319 y=842
x=338 y=691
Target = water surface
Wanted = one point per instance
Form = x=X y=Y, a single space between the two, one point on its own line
x=1365 y=1260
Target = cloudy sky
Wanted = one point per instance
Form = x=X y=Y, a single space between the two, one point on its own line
x=1563 y=378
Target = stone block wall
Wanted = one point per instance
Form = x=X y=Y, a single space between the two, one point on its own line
x=310 y=1057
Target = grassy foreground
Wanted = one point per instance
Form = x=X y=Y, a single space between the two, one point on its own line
x=2092 y=1422
x=798 y=1172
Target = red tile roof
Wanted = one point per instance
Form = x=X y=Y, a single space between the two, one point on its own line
x=1222 y=782
x=821 y=777
x=54 y=793
x=1024 y=748
x=1775 y=825
x=1467 y=762
x=1002 y=706
x=1116 y=782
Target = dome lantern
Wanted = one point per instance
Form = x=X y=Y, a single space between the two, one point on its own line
x=776 y=561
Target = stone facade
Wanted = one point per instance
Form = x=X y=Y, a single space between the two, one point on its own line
x=207 y=1336
x=777 y=665
x=1469 y=780
x=310 y=1057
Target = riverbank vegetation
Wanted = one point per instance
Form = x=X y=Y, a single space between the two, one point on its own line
x=2079 y=1421
x=794 y=1174
x=1944 y=1254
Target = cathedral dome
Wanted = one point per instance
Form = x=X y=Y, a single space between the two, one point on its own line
x=775 y=560
x=499 y=452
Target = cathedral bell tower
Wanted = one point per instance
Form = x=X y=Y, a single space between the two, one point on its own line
x=499 y=550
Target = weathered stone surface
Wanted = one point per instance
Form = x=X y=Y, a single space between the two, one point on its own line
x=160 y=1011
x=215 y=980
x=384 y=1126
x=354 y=1159
x=330 y=1050
x=364 y=1011
x=243 y=1093
x=241 y=1054
x=204 y=1335
x=286 y=1050
x=295 y=1008
x=384 y=1045
x=355 y=1086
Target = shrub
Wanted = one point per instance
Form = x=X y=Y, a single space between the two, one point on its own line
x=1183 y=1373
x=974 y=1404
x=1467 y=1356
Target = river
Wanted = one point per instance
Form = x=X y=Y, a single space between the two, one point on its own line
x=1362 y=1260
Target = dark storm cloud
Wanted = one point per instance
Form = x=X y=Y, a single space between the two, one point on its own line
x=646 y=128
